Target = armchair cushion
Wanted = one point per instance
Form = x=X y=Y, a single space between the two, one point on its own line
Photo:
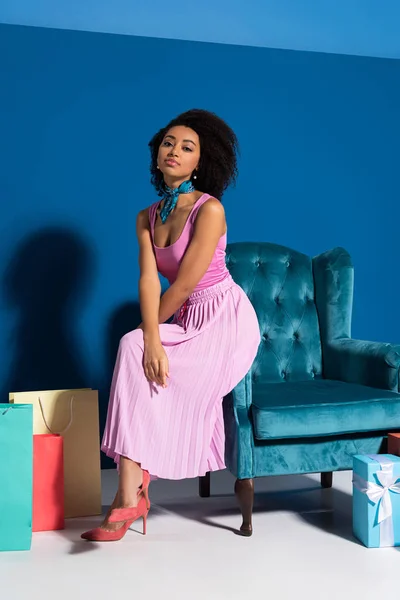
x=321 y=407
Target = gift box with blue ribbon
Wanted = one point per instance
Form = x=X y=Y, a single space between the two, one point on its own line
x=376 y=500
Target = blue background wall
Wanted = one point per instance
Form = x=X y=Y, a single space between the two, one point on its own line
x=362 y=27
x=319 y=168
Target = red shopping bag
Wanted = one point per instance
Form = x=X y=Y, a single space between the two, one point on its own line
x=48 y=483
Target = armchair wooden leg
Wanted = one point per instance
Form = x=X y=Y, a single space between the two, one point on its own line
x=326 y=479
x=204 y=486
x=244 y=490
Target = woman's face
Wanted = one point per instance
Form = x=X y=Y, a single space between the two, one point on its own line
x=179 y=154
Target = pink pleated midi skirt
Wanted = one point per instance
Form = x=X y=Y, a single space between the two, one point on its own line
x=178 y=432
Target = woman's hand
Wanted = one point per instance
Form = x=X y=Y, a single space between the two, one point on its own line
x=155 y=363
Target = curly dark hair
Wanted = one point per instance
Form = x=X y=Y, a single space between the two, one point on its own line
x=218 y=152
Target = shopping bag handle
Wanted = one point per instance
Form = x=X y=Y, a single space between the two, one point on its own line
x=70 y=418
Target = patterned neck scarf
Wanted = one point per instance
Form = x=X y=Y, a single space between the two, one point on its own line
x=171 y=197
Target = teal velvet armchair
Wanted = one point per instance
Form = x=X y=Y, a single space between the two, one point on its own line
x=314 y=397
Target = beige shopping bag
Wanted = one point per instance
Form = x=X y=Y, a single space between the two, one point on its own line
x=75 y=415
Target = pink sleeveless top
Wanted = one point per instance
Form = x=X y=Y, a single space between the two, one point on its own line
x=169 y=258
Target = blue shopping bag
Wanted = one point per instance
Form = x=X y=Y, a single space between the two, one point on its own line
x=16 y=467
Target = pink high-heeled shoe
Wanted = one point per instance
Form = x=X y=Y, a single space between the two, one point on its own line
x=128 y=515
x=132 y=514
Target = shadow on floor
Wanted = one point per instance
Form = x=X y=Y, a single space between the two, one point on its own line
x=327 y=509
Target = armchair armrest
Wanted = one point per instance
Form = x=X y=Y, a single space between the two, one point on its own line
x=239 y=439
x=374 y=364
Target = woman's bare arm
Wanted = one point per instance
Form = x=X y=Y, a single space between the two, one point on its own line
x=149 y=281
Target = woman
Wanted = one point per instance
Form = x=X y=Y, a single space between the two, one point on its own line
x=165 y=410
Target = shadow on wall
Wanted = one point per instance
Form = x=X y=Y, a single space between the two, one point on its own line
x=45 y=284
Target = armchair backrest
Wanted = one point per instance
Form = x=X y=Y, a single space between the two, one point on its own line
x=279 y=283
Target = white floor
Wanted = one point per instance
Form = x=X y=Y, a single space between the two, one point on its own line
x=302 y=547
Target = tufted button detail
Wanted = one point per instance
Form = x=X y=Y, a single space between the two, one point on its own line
x=265 y=336
x=288 y=263
x=257 y=263
x=277 y=300
x=312 y=374
x=283 y=374
x=296 y=335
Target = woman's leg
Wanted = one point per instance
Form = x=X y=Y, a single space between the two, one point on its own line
x=130 y=479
